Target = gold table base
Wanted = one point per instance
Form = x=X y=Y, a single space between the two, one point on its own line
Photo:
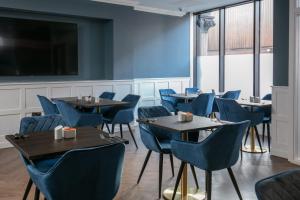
x=193 y=194
x=256 y=149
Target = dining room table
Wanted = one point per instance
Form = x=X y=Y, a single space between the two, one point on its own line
x=183 y=96
x=171 y=123
x=252 y=148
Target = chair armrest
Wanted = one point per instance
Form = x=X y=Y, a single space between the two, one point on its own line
x=183 y=149
x=185 y=107
x=255 y=117
x=124 y=116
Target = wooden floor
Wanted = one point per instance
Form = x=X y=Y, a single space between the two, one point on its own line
x=253 y=167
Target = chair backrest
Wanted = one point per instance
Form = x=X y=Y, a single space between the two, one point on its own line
x=132 y=100
x=40 y=123
x=164 y=95
x=282 y=186
x=192 y=90
x=222 y=147
x=49 y=108
x=232 y=95
x=202 y=105
x=155 y=133
x=107 y=95
x=229 y=110
x=97 y=177
x=267 y=97
x=70 y=115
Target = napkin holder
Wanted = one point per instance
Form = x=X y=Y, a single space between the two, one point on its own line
x=58 y=132
x=185 y=117
x=69 y=132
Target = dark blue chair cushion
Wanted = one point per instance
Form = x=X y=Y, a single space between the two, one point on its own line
x=234 y=95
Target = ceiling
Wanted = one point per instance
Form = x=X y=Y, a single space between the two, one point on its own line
x=171 y=7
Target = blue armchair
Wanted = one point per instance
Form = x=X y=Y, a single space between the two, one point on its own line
x=93 y=179
x=107 y=95
x=122 y=115
x=192 y=90
x=231 y=111
x=170 y=103
x=201 y=106
x=75 y=118
x=39 y=124
x=157 y=140
x=206 y=156
x=234 y=95
x=49 y=108
x=282 y=186
x=267 y=120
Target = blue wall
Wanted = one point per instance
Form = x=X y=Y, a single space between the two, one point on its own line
x=145 y=45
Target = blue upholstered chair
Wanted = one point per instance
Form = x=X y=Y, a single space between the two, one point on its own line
x=92 y=179
x=34 y=125
x=49 y=108
x=231 y=111
x=107 y=95
x=267 y=119
x=75 y=118
x=234 y=95
x=122 y=115
x=192 y=90
x=157 y=140
x=282 y=186
x=206 y=156
x=168 y=102
x=201 y=106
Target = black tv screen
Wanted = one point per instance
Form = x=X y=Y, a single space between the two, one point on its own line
x=33 y=47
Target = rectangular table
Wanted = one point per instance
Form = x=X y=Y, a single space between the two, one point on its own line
x=43 y=145
x=262 y=104
x=171 y=123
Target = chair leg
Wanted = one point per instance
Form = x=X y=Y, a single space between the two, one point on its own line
x=161 y=160
x=131 y=133
x=208 y=176
x=107 y=127
x=269 y=136
x=178 y=179
x=234 y=183
x=247 y=134
x=102 y=126
x=257 y=136
x=172 y=164
x=37 y=194
x=194 y=175
x=112 y=128
x=27 y=190
x=144 y=165
x=241 y=149
x=263 y=134
x=121 y=131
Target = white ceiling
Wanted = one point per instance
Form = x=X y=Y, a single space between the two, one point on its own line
x=172 y=7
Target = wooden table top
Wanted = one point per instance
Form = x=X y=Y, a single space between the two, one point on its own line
x=184 y=96
x=91 y=104
x=262 y=103
x=43 y=144
x=171 y=123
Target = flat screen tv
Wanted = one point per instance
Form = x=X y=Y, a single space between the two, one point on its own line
x=37 y=48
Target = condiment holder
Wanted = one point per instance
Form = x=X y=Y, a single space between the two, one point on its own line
x=61 y=132
x=185 y=116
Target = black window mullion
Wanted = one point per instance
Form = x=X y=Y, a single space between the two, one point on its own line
x=222 y=51
x=256 y=48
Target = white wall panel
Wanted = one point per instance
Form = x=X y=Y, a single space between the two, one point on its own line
x=10 y=99
x=61 y=91
x=31 y=100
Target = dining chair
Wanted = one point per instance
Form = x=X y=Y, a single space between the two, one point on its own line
x=75 y=118
x=93 y=179
x=192 y=90
x=49 y=108
x=34 y=125
x=282 y=186
x=201 y=106
x=170 y=103
x=206 y=156
x=231 y=111
x=157 y=140
x=107 y=95
x=231 y=94
x=122 y=115
x=267 y=120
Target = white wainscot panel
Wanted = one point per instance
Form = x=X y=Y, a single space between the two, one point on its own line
x=176 y=85
x=61 y=92
x=10 y=99
x=80 y=91
x=122 y=90
x=147 y=103
x=185 y=84
x=99 y=89
x=31 y=100
x=147 y=90
x=160 y=85
x=9 y=124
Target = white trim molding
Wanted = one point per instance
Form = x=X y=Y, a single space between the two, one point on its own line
x=19 y=99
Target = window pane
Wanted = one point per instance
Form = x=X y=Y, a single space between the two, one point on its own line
x=208 y=51
x=266 y=49
x=239 y=49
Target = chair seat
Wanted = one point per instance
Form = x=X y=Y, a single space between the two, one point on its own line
x=45 y=165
